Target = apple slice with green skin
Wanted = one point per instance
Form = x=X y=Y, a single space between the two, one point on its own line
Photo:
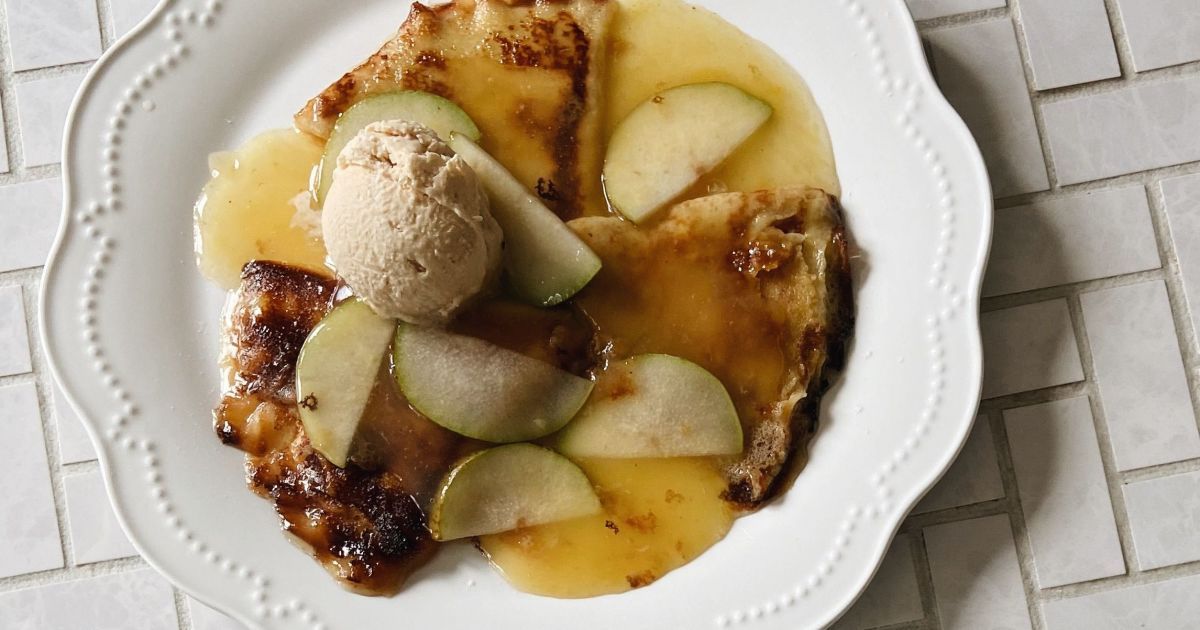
x=335 y=374
x=481 y=390
x=654 y=405
x=508 y=487
x=545 y=261
x=668 y=142
x=439 y=114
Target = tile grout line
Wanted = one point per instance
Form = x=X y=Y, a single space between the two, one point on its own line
x=1181 y=314
x=961 y=19
x=8 y=99
x=1016 y=517
x=1039 y=121
x=183 y=613
x=107 y=29
x=1104 y=442
x=62 y=576
x=1061 y=291
x=49 y=427
x=1143 y=177
x=1159 y=471
x=924 y=574
x=1120 y=582
x=1116 y=26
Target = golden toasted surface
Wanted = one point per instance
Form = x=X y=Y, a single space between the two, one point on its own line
x=755 y=287
x=529 y=72
x=363 y=524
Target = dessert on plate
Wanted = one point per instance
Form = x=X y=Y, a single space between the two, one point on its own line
x=567 y=278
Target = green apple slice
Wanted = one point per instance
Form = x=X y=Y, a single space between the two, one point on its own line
x=439 y=114
x=481 y=390
x=654 y=405
x=545 y=261
x=336 y=372
x=508 y=487
x=668 y=142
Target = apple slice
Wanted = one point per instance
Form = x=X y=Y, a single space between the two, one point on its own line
x=481 y=390
x=668 y=142
x=545 y=261
x=336 y=372
x=654 y=405
x=508 y=487
x=439 y=114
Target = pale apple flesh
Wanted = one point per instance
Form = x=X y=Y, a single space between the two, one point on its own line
x=670 y=141
x=508 y=487
x=481 y=390
x=654 y=405
x=335 y=374
x=545 y=262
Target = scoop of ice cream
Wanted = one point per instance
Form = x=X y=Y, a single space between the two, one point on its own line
x=407 y=224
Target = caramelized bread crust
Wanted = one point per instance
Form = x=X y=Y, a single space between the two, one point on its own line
x=364 y=526
x=528 y=72
x=755 y=287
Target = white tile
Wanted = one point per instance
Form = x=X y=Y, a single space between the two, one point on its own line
x=1070 y=42
x=1127 y=130
x=1082 y=237
x=28 y=525
x=1028 y=347
x=74 y=445
x=127 y=13
x=206 y=618
x=29 y=217
x=1063 y=491
x=1168 y=605
x=979 y=69
x=137 y=599
x=14 y=334
x=1182 y=198
x=1164 y=515
x=1161 y=32
x=95 y=533
x=973 y=477
x=1139 y=373
x=44 y=33
x=3 y=147
x=976 y=578
x=892 y=597
x=929 y=9
x=42 y=107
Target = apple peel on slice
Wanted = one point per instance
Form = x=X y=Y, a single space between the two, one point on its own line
x=509 y=487
x=481 y=390
x=335 y=374
x=546 y=263
x=654 y=405
x=671 y=140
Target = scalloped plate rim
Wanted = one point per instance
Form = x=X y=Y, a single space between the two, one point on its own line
x=54 y=269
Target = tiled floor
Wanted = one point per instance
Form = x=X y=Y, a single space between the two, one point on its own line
x=1076 y=500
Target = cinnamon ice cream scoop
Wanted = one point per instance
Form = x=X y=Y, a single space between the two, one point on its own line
x=408 y=225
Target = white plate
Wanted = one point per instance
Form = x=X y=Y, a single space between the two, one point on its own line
x=131 y=327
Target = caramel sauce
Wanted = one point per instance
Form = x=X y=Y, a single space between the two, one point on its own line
x=248 y=209
x=658 y=514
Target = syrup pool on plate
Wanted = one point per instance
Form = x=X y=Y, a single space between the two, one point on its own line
x=257 y=207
